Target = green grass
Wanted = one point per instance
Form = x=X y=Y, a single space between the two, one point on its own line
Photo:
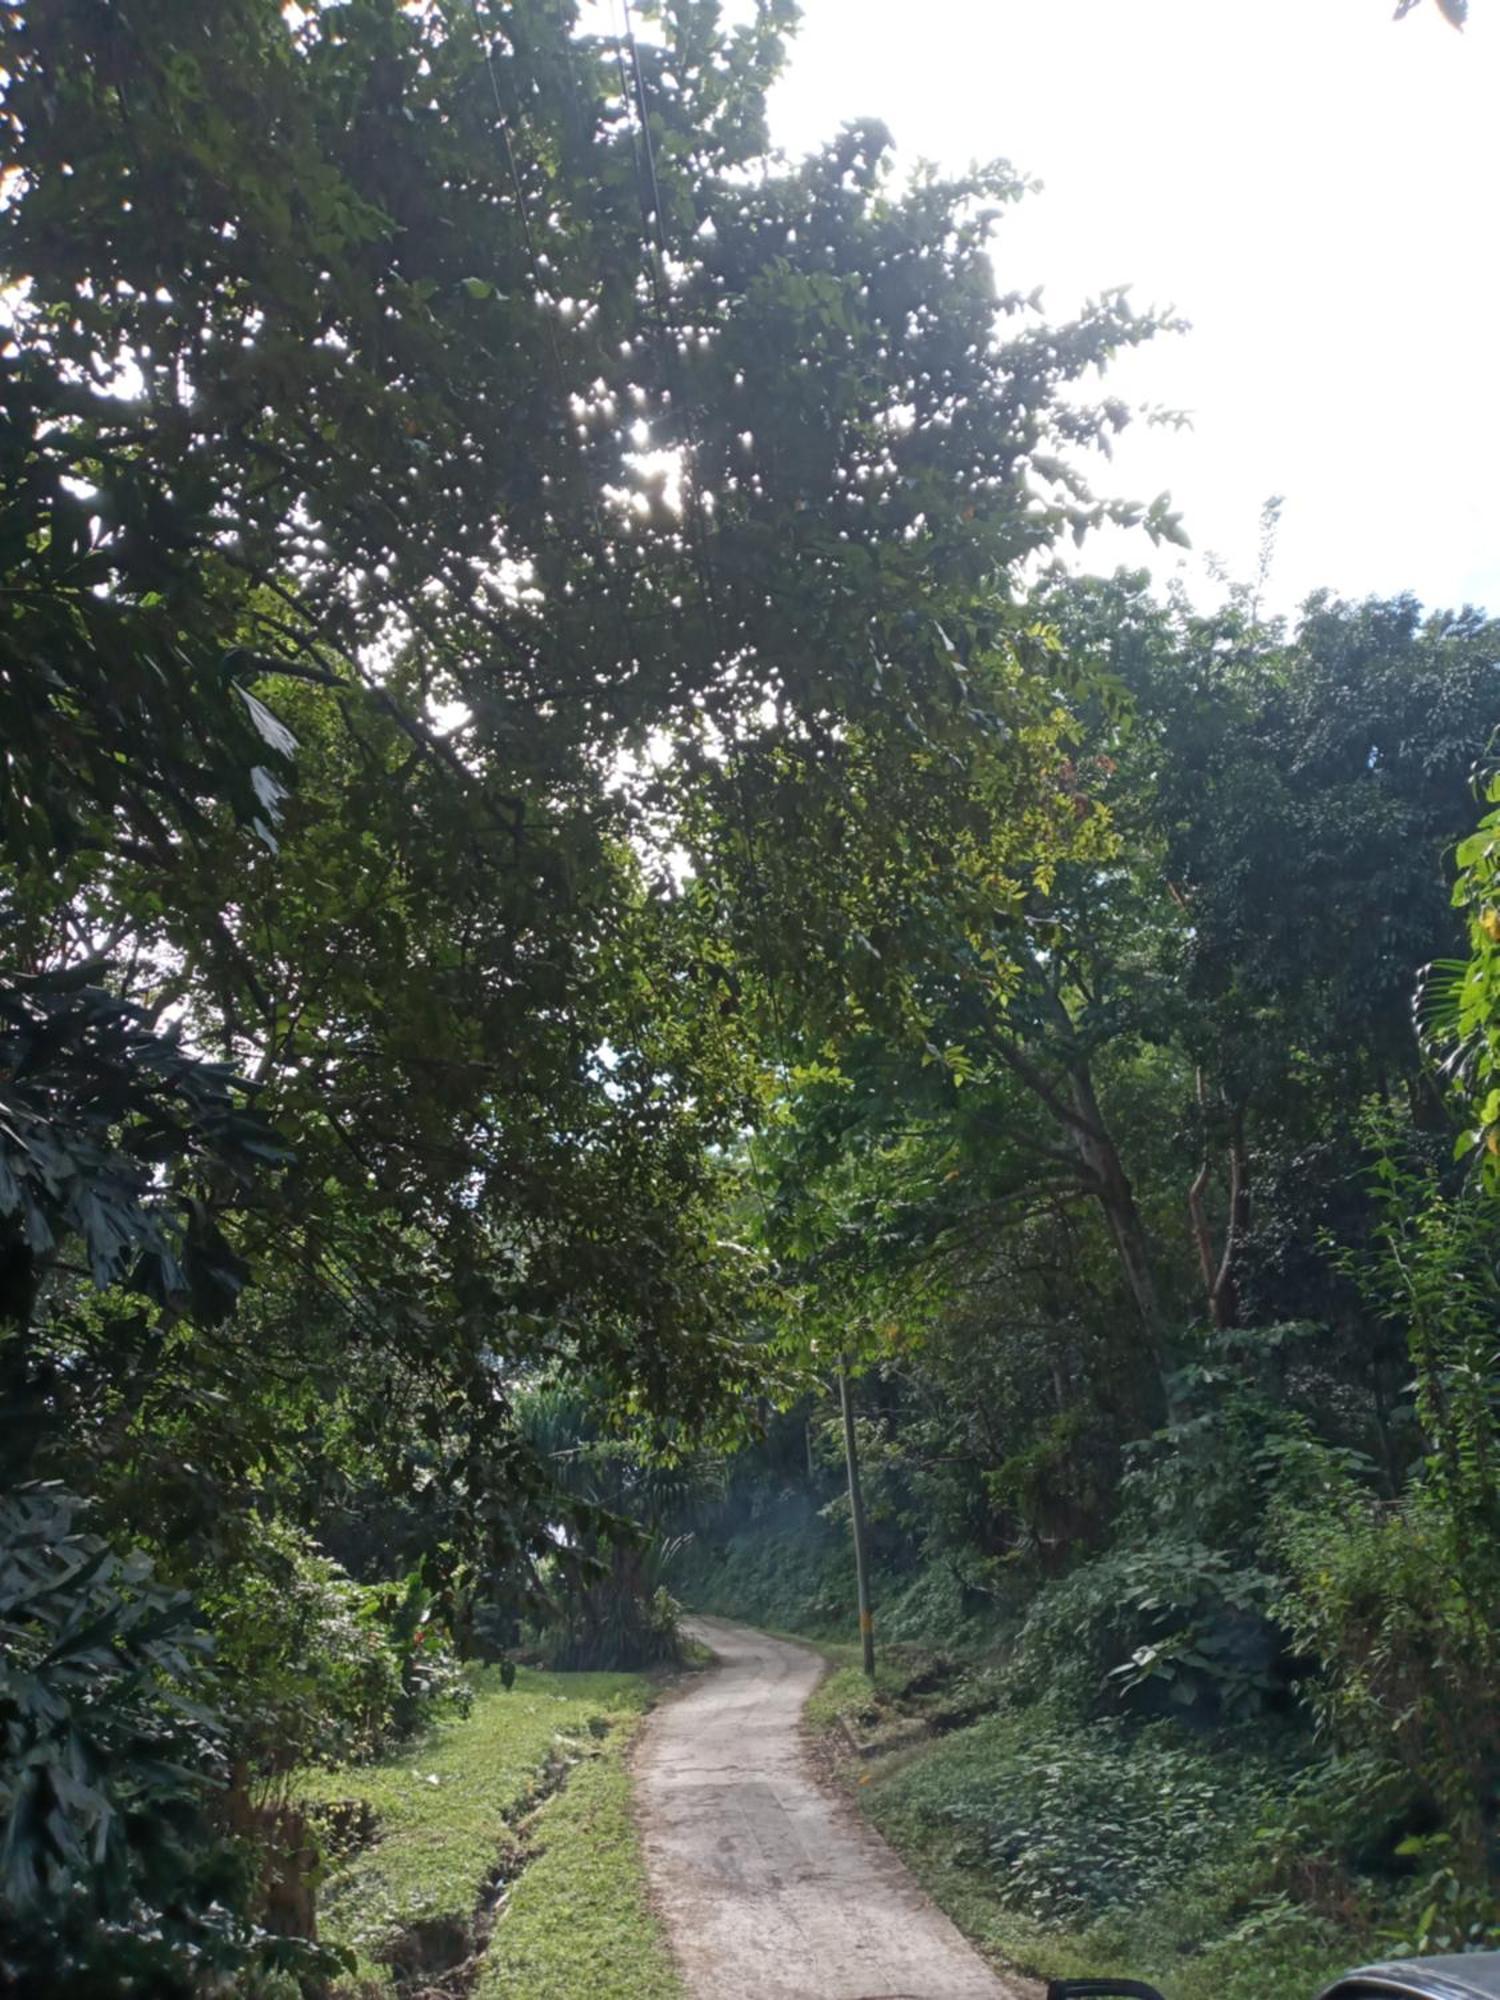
x=846 y=1690
x=579 y=1921
x=446 y=1805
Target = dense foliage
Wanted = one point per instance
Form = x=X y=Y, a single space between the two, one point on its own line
x=1172 y=1275
x=572 y=858
x=474 y=524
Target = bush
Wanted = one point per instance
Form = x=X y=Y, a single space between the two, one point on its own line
x=791 y=1571
x=1175 y=1624
x=111 y=1877
x=939 y=1601
x=623 y=1620
x=1399 y=1601
x=319 y=1668
x=1177 y=1614
x=1069 y=1823
x=1378 y=1595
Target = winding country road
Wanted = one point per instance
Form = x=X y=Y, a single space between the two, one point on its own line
x=771 y=1888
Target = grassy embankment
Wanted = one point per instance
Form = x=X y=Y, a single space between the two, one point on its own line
x=501 y=1843
x=1063 y=1843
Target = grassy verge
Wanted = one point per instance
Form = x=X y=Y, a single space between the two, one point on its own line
x=579 y=1921
x=437 y=1820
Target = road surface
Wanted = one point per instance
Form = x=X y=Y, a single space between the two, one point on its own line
x=772 y=1888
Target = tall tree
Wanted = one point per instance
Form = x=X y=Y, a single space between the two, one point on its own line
x=462 y=422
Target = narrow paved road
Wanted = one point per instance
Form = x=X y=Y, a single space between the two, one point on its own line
x=771 y=1888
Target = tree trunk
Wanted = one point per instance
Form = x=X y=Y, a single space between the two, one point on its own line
x=1220 y=1290
x=1075 y=1105
x=1115 y=1195
x=1203 y=1241
x=1224 y=1298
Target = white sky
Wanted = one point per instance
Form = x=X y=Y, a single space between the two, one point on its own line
x=1312 y=185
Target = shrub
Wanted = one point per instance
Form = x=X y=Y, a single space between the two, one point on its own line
x=1177 y=1614
x=319 y=1668
x=1072 y=1822
x=1173 y=1622
x=1399 y=1601
x=1378 y=1596
x=790 y=1570
x=111 y=1878
x=622 y=1620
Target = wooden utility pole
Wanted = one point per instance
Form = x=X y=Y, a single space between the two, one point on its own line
x=857 y=1522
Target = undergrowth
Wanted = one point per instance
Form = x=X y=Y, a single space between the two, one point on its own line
x=1082 y=1850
